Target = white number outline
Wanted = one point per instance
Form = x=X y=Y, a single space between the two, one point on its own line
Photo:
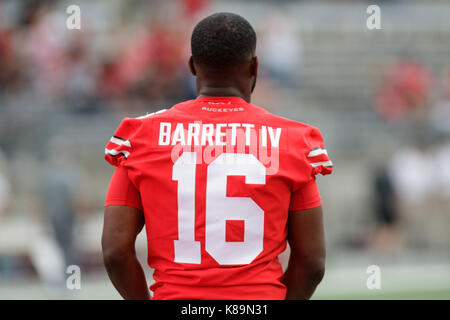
x=219 y=209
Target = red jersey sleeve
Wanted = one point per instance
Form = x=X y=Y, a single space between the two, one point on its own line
x=307 y=195
x=316 y=153
x=120 y=146
x=306 y=198
x=121 y=190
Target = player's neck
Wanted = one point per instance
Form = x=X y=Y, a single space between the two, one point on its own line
x=206 y=91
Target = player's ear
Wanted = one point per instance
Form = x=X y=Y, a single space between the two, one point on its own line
x=254 y=67
x=191 y=66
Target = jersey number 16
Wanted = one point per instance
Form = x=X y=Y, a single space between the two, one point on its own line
x=219 y=209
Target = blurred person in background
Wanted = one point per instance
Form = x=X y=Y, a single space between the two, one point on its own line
x=59 y=184
x=413 y=178
x=386 y=237
x=5 y=185
x=62 y=187
x=81 y=76
x=440 y=191
x=10 y=70
x=5 y=198
x=281 y=48
x=405 y=93
x=441 y=156
x=440 y=113
x=43 y=48
x=440 y=121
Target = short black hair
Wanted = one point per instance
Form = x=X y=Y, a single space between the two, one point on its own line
x=222 y=39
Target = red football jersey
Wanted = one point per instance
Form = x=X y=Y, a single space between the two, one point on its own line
x=216 y=178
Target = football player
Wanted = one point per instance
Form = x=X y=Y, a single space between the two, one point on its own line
x=221 y=185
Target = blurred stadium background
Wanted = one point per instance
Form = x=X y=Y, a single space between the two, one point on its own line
x=380 y=97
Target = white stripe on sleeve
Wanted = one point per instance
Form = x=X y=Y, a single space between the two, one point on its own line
x=120 y=142
x=317 y=151
x=115 y=152
x=322 y=163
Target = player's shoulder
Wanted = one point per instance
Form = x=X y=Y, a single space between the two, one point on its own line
x=168 y=112
x=134 y=124
x=306 y=140
x=301 y=137
x=120 y=145
x=284 y=122
x=149 y=117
